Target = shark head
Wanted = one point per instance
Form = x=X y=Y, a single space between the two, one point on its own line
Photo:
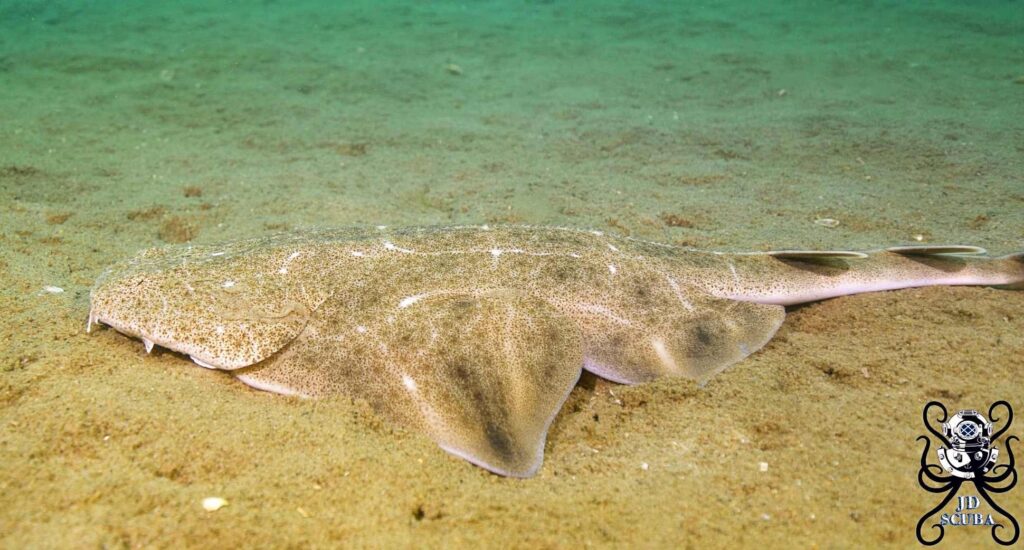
x=225 y=309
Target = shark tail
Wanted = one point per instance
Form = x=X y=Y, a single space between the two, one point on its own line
x=1013 y=264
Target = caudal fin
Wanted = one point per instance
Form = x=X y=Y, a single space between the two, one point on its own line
x=1013 y=264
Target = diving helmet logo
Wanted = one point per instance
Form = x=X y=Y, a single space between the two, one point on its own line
x=968 y=457
x=970 y=453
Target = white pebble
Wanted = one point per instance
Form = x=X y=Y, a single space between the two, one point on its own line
x=212 y=504
x=644 y=466
x=763 y=466
x=53 y=289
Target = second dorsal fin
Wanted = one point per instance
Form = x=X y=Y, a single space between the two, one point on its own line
x=817 y=255
x=936 y=250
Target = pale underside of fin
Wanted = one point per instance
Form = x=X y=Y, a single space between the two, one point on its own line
x=483 y=375
x=258 y=383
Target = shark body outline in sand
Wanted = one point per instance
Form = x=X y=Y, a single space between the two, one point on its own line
x=475 y=335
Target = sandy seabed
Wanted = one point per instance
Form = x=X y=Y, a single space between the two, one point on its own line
x=733 y=126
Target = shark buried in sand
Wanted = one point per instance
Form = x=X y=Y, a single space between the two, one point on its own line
x=476 y=335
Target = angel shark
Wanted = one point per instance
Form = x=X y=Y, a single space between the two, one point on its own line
x=476 y=335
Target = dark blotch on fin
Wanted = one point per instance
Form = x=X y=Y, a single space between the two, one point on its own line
x=936 y=250
x=501 y=442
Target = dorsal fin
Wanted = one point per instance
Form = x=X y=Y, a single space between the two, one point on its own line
x=936 y=250
x=817 y=255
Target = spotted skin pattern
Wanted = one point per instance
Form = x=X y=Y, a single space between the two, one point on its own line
x=475 y=335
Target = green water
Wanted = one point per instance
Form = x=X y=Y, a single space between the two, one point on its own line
x=573 y=112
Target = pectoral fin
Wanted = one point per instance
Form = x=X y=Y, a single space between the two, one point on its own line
x=482 y=374
x=488 y=374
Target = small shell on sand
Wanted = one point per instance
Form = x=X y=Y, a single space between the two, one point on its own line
x=212 y=504
x=827 y=222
